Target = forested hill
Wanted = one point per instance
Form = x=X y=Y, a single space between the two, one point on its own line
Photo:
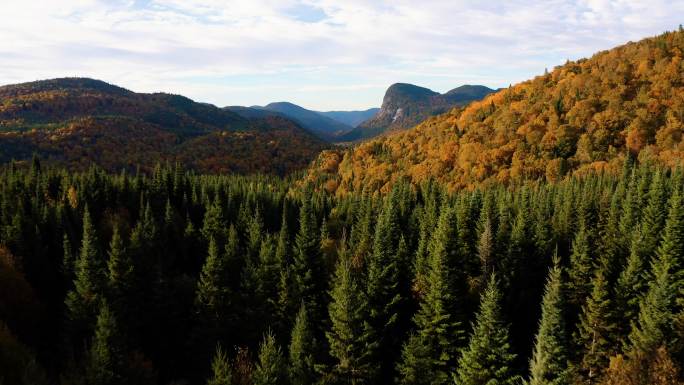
x=76 y=121
x=178 y=278
x=587 y=114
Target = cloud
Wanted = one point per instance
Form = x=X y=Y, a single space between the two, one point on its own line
x=321 y=53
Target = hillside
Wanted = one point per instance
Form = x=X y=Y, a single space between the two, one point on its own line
x=585 y=115
x=75 y=121
x=405 y=105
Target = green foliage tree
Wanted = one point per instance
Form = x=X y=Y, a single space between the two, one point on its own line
x=106 y=359
x=347 y=311
x=83 y=300
x=658 y=308
x=302 y=351
x=439 y=320
x=383 y=293
x=549 y=363
x=488 y=358
x=597 y=330
x=271 y=369
x=220 y=367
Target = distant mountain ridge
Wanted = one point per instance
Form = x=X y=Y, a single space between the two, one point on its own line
x=327 y=125
x=76 y=121
x=351 y=118
x=406 y=105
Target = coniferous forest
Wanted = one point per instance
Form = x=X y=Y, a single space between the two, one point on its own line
x=177 y=278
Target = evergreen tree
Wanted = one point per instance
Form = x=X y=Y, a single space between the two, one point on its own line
x=271 y=368
x=220 y=367
x=631 y=286
x=106 y=357
x=549 y=364
x=309 y=277
x=120 y=274
x=597 y=330
x=382 y=290
x=488 y=358
x=302 y=351
x=213 y=294
x=439 y=321
x=581 y=269
x=416 y=366
x=347 y=313
x=83 y=301
x=658 y=308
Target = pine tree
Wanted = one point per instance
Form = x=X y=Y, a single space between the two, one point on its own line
x=271 y=368
x=106 y=357
x=214 y=223
x=658 y=307
x=597 y=329
x=485 y=249
x=221 y=370
x=120 y=274
x=309 y=276
x=439 y=321
x=416 y=366
x=82 y=301
x=549 y=364
x=488 y=358
x=302 y=351
x=631 y=286
x=581 y=269
x=213 y=294
x=382 y=290
x=347 y=313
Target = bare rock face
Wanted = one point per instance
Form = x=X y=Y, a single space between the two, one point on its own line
x=406 y=105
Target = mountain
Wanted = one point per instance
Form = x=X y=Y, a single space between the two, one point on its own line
x=321 y=125
x=406 y=105
x=351 y=118
x=328 y=125
x=76 y=121
x=590 y=114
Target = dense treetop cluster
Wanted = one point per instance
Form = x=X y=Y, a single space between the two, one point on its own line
x=177 y=278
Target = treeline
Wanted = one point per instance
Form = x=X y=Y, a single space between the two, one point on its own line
x=177 y=278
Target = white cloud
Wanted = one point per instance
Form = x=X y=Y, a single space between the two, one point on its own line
x=321 y=53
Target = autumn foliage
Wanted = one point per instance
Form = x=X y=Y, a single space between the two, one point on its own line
x=585 y=115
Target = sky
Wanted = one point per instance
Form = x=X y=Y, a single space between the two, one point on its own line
x=321 y=54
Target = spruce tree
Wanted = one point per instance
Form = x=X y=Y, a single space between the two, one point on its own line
x=220 y=368
x=383 y=291
x=631 y=286
x=120 y=274
x=581 y=269
x=597 y=329
x=416 y=366
x=549 y=363
x=83 y=300
x=106 y=356
x=308 y=268
x=212 y=296
x=271 y=368
x=348 y=349
x=440 y=329
x=302 y=351
x=658 y=308
x=488 y=359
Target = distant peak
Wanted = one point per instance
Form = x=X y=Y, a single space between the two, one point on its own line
x=410 y=89
x=71 y=83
